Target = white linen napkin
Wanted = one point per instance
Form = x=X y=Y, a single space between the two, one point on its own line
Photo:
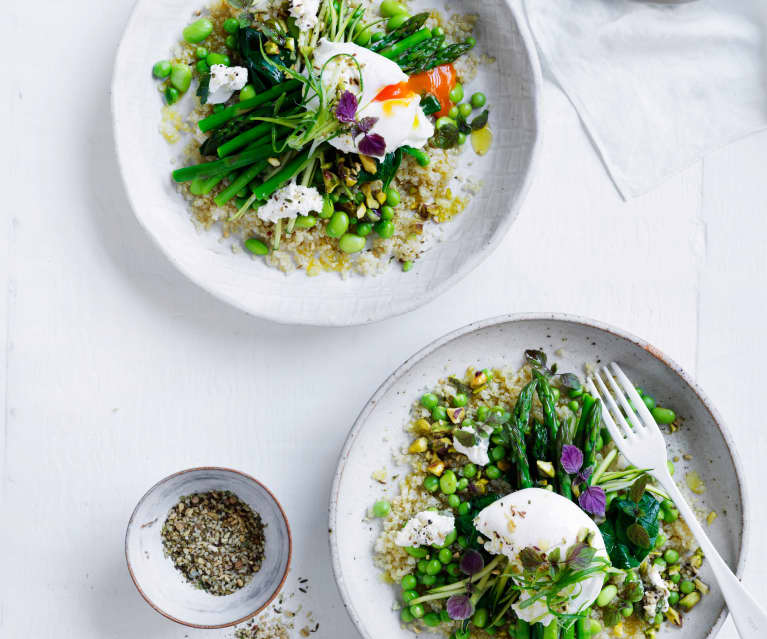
x=656 y=84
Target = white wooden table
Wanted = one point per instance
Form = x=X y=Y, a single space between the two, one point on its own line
x=116 y=371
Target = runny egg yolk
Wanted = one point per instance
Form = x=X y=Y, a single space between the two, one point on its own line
x=438 y=81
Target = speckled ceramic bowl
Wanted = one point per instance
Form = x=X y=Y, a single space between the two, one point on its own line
x=500 y=342
x=165 y=588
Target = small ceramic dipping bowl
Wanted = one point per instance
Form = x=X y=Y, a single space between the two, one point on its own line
x=166 y=589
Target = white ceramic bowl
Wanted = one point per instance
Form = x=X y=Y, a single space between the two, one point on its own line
x=165 y=588
x=512 y=85
x=500 y=342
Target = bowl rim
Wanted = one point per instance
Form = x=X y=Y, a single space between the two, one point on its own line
x=167 y=615
x=384 y=311
x=416 y=358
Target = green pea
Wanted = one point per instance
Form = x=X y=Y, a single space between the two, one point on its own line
x=673 y=598
x=482 y=413
x=231 y=25
x=364 y=229
x=607 y=594
x=389 y=8
x=456 y=93
x=197 y=31
x=430 y=483
x=381 y=508
x=492 y=472
x=387 y=212
x=397 y=21
x=497 y=453
x=256 y=246
x=627 y=610
x=675 y=578
x=660 y=564
x=576 y=392
x=573 y=405
x=460 y=399
x=453 y=570
x=445 y=556
x=686 y=587
x=392 y=196
x=363 y=37
x=496 y=439
x=217 y=58
x=448 y=482
x=180 y=76
x=480 y=618
x=660 y=540
x=351 y=243
x=649 y=402
x=469 y=470
x=378 y=35
x=671 y=556
x=463 y=509
x=663 y=415
x=449 y=538
x=437 y=32
x=337 y=224
x=171 y=95
x=421 y=566
x=384 y=228
x=202 y=67
x=439 y=413
x=667 y=504
x=201 y=53
x=409 y=595
x=444 y=121
x=461 y=139
x=406 y=616
x=478 y=100
x=434 y=567
x=161 y=69
x=231 y=42
x=464 y=109
x=429 y=400
x=416 y=551
x=453 y=501
x=463 y=484
x=472 y=42
x=417 y=611
x=431 y=619
x=428 y=580
x=408 y=582
x=670 y=516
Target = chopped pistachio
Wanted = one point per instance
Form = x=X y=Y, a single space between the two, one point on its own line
x=688 y=602
x=703 y=588
x=546 y=467
x=271 y=48
x=673 y=616
x=711 y=517
x=361 y=210
x=478 y=380
x=275 y=162
x=369 y=164
x=437 y=467
x=419 y=445
x=422 y=426
x=456 y=414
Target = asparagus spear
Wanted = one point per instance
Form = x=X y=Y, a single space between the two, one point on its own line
x=522 y=408
x=398 y=48
x=547 y=402
x=406 y=29
x=583 y=626
x=218 y=119
x=417 y=62
x=265 y=190
x=245 y=178
x=563 y=479
x=209 y=169
x=569 y=632
x=588 y=402
x=522 y=630
x=591 y=434
x=519 y=454
x=552 y=630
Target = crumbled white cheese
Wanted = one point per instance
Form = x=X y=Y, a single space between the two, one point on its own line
x=477 y=454
x=260 y=6
x=653 y=574
x=290 y=201
x=305 y=13
x=224 y=81
x=427 y=528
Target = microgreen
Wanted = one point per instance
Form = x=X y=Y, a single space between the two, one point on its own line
x=346 y=108
x=459 y=607
x=471 y=563
x=571 y=459
x=593 y=500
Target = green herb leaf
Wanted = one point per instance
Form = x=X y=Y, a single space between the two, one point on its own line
x=430 y=104
x=445 y=137
x=262 y=71
x=570 y=381
x=638 y=487
x=531 y=558
x=480 y=122
x=464 y=524
x=536 y=359
x=204 y=88
x=580 y=555
x=622 y=546
x=638 y=536
x=465 y=438
x=387 y=169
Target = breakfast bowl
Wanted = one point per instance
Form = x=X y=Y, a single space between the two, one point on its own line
x=166 y=589
x=492 y=184
x=381 y=482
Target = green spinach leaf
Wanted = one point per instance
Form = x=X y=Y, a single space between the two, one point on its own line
x=625 y=544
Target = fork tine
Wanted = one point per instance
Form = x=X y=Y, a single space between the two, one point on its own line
x=628 y=387
x=623 y=401
x=613 y=407
x=607 y=419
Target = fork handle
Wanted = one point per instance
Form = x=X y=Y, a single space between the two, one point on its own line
x=749 y=617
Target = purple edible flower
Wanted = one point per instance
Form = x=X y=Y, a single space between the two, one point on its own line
x=346 y=109
x=373 y=145
x=459 y=607
x=593 y=500
x=572 y=459
x=363 y=126
x=585 y=473
x=471 y=563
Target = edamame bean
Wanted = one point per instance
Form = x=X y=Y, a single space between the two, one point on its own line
x=408 y=582
x=217 y=58
x=445 y=556
x=427 y=580
x=416 y=551
x=660 y=564
x=449 y=538
x=197 y=31
x=660 y=540
x=670 y=516
x=469 y=470
x=171 y=95
x=256 y=246
x=397 y=21
x=231 y=25
x=390 y=8
x=448 y=482
x=453 y=501
x=480 y=617
x=363 y=37
x=607 y=595
x=431 y=619
x=671 y=556
x=456 y=93
x=433 y=567
x=409 y=595
x=492 y=472
x=478 y=100
x=180 y=76
x=627 y=610
x=649 y=402
x=337 y=225
x=351 y=243
x=573 y=405
x=497 y=453
x=463 y=484
x=384 y=228
x=464 y=109
x=461 y=138
x=437 y=32
x=201 y=53
x=675 y=578
x=453 y=570
x=381 y=508
x=686 y=587
x=429 y=400
x=422 y=565
x=663 y=415
x=161 y=69
x=430 y=483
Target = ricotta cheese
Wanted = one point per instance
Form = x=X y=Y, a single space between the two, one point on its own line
x=427 y=528
x=477 y=454
x=224 y=81
x=290 y=201
x=305 y=13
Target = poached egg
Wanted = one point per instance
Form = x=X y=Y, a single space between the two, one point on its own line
x=534 y=517
x=382 y=90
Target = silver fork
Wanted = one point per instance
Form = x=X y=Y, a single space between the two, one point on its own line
x=641 y=442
